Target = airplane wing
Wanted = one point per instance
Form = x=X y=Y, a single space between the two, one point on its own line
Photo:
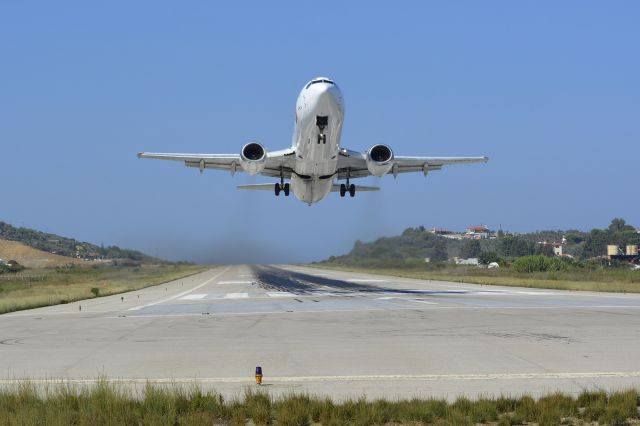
x=276 y=161
x=354 y=164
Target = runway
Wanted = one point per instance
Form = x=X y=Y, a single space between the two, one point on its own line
x=333 y=333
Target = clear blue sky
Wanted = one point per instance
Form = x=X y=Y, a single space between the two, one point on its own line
x=549 y=90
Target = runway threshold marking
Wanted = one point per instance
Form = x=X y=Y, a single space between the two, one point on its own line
x=184 y=293
x=194 y=296
x=236 y=295
x=348 y=378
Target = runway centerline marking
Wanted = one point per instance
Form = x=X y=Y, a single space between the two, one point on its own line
x=234 y=282
x=184 y=293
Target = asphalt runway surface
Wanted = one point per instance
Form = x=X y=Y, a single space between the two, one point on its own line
x=332 y=333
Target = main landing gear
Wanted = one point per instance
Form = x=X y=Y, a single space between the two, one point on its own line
x=350 y=188
x=284 y=187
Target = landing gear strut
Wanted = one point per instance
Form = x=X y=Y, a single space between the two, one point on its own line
x=284 y=187
x=322 y=122
x=350 y=188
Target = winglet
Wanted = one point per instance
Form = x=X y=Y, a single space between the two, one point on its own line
x=486 y=159
x=140 y=154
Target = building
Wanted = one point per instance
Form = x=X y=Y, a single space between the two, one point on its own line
x=477 y=232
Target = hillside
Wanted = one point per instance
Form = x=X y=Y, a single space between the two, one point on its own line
x=32 y=258
x=69 y=247
x=414 y=245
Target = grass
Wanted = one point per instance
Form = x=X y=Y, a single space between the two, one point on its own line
x=108 y=404
x=602 y=279
x=65 y=285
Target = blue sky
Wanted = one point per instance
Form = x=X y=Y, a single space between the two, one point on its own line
x=549 y=90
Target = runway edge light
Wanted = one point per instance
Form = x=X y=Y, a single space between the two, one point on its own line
x=258 y=375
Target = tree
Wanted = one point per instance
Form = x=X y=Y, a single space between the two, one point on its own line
x=470 y=248
x=514 y=246
x=619 y=225
x=487 y=257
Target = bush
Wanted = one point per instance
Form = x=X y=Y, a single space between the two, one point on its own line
x=95 y=291
x=487 y=257
x=539 y=263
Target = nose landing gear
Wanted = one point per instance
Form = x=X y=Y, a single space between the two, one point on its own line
x=322 y=121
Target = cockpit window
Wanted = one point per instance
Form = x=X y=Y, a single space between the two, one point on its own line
x=320 y=80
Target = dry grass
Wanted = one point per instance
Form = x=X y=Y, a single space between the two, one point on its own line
x=618 y=281
x=107 y=404
x=64 y=285
x=33 y=258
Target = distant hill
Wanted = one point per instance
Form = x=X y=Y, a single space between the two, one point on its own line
x=32 y=258
x=417 y=244
x=68 y=247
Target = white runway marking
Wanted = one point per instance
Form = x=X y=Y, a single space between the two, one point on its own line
x=236 y=295
x=280 y=294
x=354 y=378
x=363 y=280
x=184 y=292
x=194 y=296
x=234 y=282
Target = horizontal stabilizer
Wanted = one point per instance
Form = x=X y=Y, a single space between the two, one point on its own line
x=359 y=188
x=259 y=187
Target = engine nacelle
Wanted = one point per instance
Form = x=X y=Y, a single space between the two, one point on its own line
x=253 y=158
x=379 y=160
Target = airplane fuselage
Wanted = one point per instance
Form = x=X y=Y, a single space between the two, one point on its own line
x=316 y=139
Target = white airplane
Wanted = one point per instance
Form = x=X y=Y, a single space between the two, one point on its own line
x=315 y=160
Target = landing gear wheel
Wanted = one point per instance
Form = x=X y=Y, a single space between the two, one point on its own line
x=322 y=138
x=343 y=189
x=286 y=189
x=352 y=190
x=277 y=189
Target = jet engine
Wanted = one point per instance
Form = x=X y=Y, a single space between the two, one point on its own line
x=253 y=158
x=379 y=160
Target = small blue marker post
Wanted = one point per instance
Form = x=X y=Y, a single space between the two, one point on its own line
x=258 y=375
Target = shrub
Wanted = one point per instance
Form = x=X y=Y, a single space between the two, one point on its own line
x=539 y=263
x=95 y=291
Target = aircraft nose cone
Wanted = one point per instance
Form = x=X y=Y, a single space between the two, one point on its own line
x=327 y=96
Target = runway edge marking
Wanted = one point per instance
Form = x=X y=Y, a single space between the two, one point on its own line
x=373 y=377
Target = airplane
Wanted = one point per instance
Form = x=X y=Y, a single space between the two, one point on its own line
x=316 y=159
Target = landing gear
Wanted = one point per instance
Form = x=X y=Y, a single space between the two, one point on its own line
x=322 y=122
x=282 y=187
x=350 y=188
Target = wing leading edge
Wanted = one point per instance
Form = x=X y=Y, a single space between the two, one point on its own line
x=354 y=164
x=277 y=161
